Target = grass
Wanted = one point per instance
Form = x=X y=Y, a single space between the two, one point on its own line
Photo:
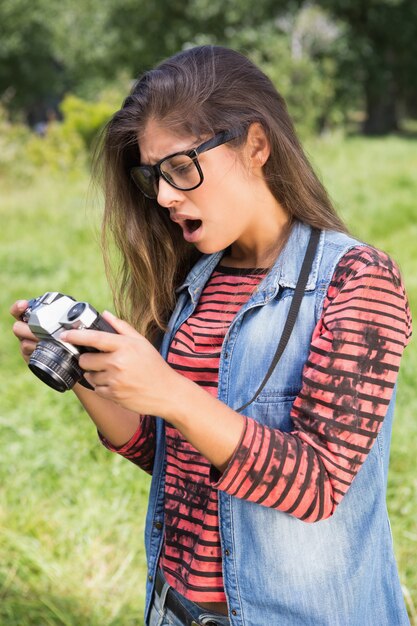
x=72 y=514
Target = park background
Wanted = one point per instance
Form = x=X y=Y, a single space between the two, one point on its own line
x=71 y=513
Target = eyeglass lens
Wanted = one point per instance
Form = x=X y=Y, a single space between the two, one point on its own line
x=146 y=181
x=180 y=171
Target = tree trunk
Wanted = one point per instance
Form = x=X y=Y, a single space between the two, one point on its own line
x=381 y=96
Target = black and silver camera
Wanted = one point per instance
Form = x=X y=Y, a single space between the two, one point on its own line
x=54 y=361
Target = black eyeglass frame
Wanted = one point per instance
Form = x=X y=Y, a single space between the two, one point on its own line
x=155 y=170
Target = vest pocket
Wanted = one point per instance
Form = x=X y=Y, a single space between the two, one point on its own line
x=273 y=409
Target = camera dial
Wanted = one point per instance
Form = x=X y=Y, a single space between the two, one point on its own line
x=76 y=311
x=80 y=315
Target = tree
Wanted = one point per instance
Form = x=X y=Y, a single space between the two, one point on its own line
x=151 y=31
x=29 y=71
x=48 y=48
x=383 y=37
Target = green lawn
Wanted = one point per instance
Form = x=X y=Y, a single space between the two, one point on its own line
x=71 y=513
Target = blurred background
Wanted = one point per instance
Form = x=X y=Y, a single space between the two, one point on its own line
x=71 y=513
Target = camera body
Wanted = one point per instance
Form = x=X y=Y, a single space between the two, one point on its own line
x=55 y=361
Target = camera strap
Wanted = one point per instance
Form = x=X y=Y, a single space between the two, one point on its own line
x=294 y=308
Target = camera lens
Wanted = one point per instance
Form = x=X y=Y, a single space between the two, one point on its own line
x=76 y=311
x=55 y=366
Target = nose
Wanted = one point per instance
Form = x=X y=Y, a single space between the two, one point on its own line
x=167 y=194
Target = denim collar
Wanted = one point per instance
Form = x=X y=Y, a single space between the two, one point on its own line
x=284 y=272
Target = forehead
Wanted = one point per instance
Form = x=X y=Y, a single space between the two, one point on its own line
x=157 y=141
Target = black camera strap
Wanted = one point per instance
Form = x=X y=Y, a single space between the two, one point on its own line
x=294 y=308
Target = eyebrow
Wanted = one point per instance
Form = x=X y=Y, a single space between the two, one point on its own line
x=184 y=150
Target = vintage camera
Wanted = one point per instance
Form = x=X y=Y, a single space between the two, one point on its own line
x=54 y=361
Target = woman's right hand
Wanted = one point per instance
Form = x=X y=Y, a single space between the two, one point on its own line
x=21 y=329
x=114 y=422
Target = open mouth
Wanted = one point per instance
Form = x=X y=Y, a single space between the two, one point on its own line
x=193 y=225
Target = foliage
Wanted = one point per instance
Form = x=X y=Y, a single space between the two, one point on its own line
x=24 y=154
x=357 y=53
x=29 y=68
x=85 y=119
x=62 y=146
x=158 y=29
x=382 y=39
x=300 y=61
x=266 y=31
x=60 y=149
x=49 y=48
x=13 y=139
x=71 y=514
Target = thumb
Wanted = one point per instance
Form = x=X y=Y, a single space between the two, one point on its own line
x=122 y=327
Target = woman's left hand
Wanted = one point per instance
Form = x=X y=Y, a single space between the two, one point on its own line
x=127 y=369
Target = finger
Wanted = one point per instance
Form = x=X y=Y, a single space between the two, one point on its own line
x=27 y=347
x=18 y=308
x=93 y=361
x=22 y=331
x=104 y=392
x=96 y=379
x=102 y=341
x=122 y=327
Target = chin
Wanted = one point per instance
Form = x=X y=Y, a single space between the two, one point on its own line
x=207 y=248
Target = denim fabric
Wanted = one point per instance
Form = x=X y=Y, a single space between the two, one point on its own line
x=277 y=569
x=161 y=616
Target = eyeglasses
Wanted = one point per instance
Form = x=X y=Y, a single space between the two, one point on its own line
x=181 y=169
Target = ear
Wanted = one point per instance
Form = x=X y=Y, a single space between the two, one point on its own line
x=257 y=146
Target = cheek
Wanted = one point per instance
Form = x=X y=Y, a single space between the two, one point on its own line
x=222 y=167
x=224 y=231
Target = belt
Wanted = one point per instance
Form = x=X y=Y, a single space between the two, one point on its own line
x=174 y=604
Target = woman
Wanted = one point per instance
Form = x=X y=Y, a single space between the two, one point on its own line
x=267 y=503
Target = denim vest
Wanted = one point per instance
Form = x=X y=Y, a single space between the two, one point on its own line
x=278 y=570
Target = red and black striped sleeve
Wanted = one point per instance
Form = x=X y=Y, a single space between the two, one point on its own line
x=140 y=449
x=348 y=381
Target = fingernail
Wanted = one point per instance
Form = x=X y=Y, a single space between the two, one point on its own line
x=63 y=335
x=108 y=313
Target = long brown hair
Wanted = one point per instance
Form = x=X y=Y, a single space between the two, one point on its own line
x=198 y=92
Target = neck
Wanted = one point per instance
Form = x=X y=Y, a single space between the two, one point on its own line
x=263 y=246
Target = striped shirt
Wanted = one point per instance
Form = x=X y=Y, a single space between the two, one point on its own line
x=191 y=558
x=347 y=384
